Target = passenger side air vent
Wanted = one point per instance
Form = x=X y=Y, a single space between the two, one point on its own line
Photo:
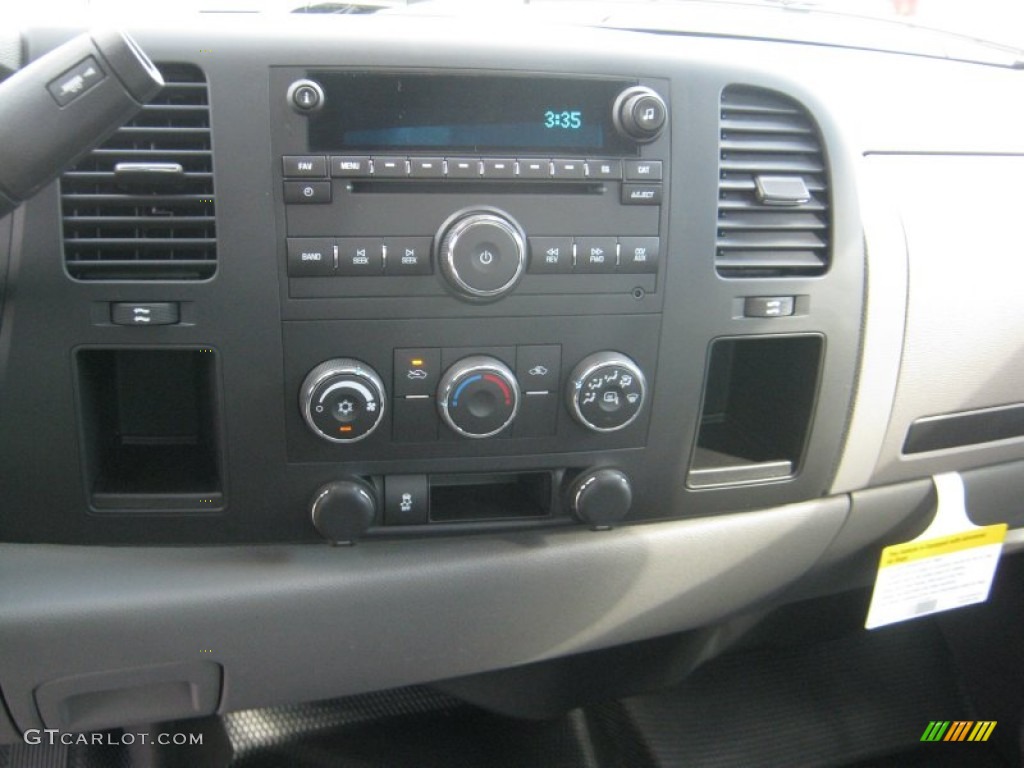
x=141 y=206
x=773 y=197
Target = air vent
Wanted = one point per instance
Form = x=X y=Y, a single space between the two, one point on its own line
x=141 y=206
x=773 y=199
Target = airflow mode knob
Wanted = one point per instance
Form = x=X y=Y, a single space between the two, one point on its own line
x=606 y=392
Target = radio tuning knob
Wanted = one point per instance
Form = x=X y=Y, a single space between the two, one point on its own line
x=607 y=390
x=640 y=114
x=482 y=253
x=478 y=396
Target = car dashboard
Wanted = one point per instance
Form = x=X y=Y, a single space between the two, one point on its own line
x=565 y=338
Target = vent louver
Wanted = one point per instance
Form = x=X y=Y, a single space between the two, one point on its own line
x=141 y=206
x=773 y=196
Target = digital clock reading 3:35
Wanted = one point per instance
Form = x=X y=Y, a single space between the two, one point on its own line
x=571 y=120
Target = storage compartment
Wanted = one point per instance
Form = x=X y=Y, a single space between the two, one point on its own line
x=150 y=429
x=478 y=498
x=759 y=395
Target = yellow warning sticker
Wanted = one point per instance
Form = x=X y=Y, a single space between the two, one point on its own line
x=949 y=566
x=944 y=545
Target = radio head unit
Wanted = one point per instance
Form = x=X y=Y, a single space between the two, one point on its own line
x=475 y=186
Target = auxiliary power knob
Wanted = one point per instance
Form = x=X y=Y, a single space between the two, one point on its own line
x=607 y=390
x=478 y=396
x=601 y=497
x=482 y=253
x=342 y=400
x=342 y=511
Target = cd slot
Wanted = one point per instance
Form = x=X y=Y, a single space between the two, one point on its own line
x=508 y=187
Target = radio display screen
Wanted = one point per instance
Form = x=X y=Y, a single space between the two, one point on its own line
x=466 y=113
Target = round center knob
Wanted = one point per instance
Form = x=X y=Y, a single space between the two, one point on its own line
x=478 y=396
x=482 y=254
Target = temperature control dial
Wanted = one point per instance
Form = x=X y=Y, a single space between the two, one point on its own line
x=606 y=392
x=478 y=396
x=342 y=400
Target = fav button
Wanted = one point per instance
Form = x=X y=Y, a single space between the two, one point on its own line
x=304 y=166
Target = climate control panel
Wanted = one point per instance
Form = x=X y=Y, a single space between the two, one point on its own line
x=478 y=396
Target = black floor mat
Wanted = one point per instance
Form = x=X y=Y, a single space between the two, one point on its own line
x=407 y=728
x=845 y=702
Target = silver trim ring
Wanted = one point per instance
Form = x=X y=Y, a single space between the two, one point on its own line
x=458 y=229
x=465 y=367
x=340 y=366
x=602 y=360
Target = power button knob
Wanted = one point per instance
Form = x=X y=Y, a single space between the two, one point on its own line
x=482 y=254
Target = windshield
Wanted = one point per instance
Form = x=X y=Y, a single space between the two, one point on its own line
x=999 y=22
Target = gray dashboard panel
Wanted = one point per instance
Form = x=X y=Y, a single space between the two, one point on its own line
x=300 y=623
x=963 y=348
